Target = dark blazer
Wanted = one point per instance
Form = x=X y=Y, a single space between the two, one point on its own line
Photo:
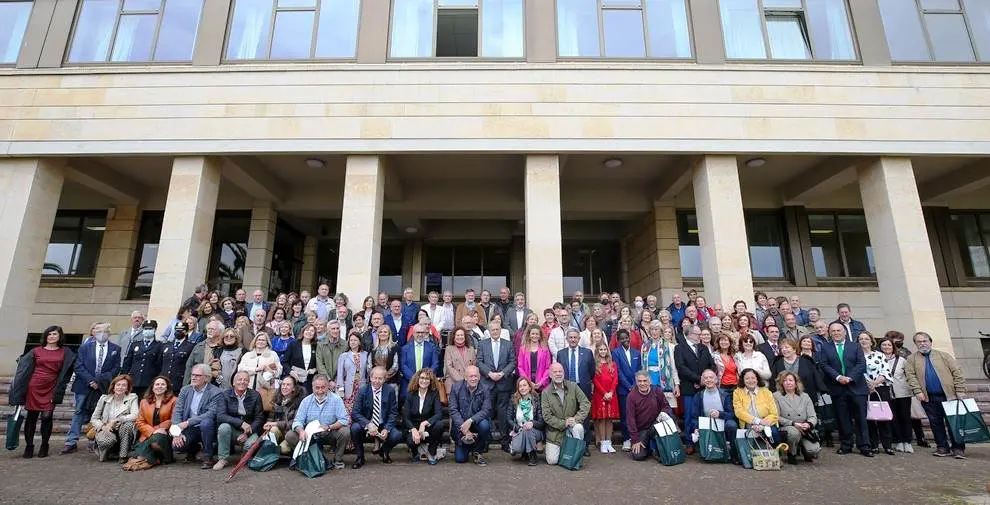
x=227 y=410
x=174 y=361
x=627 y=370
x=857 y=328
x=855 y=362
x=407 y=359
x=728 y=414
x=689 y=366
x=86 y=367
x=768 y=352
x=538 y=423
x=808 y=372
x=399 y=336
x=17 y=393
x=364 y=406
x=506 y=364
x=432 y=410
x=143 y=362
x=466 y=405
x=586 y=367
x=207 y=405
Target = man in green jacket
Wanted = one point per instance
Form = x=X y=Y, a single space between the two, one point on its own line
x=329 y=351
x=565 y=407
x=935 y=377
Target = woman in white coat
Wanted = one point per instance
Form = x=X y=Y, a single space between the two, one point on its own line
x=114 y=417
x=262 y=364
x=749 y=357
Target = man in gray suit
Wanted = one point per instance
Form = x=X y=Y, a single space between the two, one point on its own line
x=131 y=334
x=515 y=316
x=497 y=363
x=195 y=414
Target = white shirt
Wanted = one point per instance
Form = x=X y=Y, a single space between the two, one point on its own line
x=422 y=400
x=397 y=322
x=495 y=349
x=448 y=317
x=558 y=341
x=520 y=314
x=307 y=352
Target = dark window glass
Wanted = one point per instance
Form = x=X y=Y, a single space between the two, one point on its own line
x=228 y=255
x=287 y=260
x=326 y=264
x=438 y=268
x=146 y=254
x=390 y=269
x=591 y=267
x=457 y=268
x=765 y=233
x=840 y=246
x=973 y=235
x=74 y=246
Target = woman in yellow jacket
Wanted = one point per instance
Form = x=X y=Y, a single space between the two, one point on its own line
x=754 y=405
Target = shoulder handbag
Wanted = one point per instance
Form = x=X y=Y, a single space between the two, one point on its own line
x=878 y=410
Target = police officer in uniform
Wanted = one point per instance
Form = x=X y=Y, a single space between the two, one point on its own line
x=175 y=354
x=144 y=360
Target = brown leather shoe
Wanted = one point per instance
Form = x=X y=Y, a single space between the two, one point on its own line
x=690 y=450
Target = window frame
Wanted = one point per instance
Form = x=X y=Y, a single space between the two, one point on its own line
x=113 y=38
x=225 y=60
x=27 y=25
x=481 y=246
x=921 y=11
x=802 y=14
x=433 y=40
x=601 y=7
x=146 y=218
x=82 y=216
x=963 y=256
x=779 y=219
x=841 y=244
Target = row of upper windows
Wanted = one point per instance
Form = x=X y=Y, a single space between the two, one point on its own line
x=166 y=30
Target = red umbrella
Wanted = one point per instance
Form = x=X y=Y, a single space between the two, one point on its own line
x=248 y=454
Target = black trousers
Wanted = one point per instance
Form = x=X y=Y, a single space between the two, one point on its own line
x=850 y=412
x=901 y=407
x=500 y=402
x=437 y=434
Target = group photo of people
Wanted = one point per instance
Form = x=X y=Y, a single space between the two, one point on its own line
x=336 y=377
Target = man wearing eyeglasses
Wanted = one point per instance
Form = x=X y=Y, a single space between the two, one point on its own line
x=195 y=415
x=418 y=354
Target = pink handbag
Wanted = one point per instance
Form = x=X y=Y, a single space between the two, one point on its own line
x=878 y=410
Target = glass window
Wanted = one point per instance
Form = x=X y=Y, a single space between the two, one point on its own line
x=457 y=28
x=293 y=29
x=327 y=259
x=591 y=267
x=390 y=269
x=135 y=30
x=228 y=255
x=287 y=258
x=973 y=235
x=689 y=245
x=147 y=254
x=458 y=268
x=13 y=22
x=786 y=29
x=75 y=244
x=840 y=246
x=766 y=237
x=937 y=30
x=623 y=29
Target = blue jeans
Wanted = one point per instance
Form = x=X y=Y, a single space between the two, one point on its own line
x=690 y=422
x=482 y=429
x=80 y=418
x=204 y=434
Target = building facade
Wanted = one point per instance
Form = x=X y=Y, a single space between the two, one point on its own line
x=831 y=149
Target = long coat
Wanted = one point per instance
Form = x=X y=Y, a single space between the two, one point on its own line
x=25 y=368
x=555 y=412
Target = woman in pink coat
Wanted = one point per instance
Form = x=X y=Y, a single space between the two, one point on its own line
x=533 y=361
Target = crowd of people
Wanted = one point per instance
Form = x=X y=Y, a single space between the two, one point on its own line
x=446 y=378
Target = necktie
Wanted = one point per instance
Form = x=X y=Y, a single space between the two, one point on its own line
x=842 y=362
x=376 y=409
x=773 y=347
x=99 y=357
x=574 y=364
x=495 y=351
x=419 y=356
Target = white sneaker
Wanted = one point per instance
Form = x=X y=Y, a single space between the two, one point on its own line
x=603 y=447
x=908 y=449
x=611 y=449
x=627 y=446
x=899 y=447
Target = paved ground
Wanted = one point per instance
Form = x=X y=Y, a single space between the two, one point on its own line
x=612 y=479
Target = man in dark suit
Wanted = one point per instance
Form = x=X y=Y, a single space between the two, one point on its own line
x=515 y=315
x=579 y=368
x=195 y=414
x=627 y=362
x=851 y=326
x=770 y=348
x=497 y=363
x=144 y=359
x=691 y=359
x=97 y=363
x=470 y=417
x=374 y=417
x=395 y=322
x=175 y=354
x=844 y=366
x=418 y=353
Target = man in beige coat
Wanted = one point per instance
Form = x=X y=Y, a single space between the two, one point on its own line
x=935 y=377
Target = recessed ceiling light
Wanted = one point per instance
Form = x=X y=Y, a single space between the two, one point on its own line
x=412 y=229
x=612 y=163
x=316 y=163
x=756 y=162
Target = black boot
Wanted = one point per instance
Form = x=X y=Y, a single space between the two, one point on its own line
x=43 y=451
x=532 y=458
x=28 y=451
x=791 y=459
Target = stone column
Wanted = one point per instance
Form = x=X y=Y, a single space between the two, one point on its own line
x=517 y=268
x=308 y=277
x=261 y=243
x=668 y=250
x=910 y=295
x=721 y=228
x=373 y=32
x=869 y=32
x=544 y=256
x=209 y=48
x=706 y=24
x=361 y=227
x=113 y=269
x=541 y=31
x=187 y=233
x=415 y=248
x=30 y=191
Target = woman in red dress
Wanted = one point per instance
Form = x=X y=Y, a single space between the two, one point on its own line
x=39 y=385
x=604 y=403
